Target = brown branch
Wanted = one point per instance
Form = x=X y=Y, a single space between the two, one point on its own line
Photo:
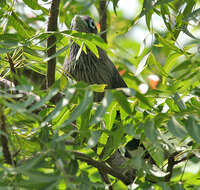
x=172 y=162
x=103 y=18
x=170 y=166
x=4 y=140
x=103 y=167
x=51 y=46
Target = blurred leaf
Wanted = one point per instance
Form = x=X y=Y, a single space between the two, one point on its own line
x=39 y=104
x=122 y=100
x=153 y=62
x=88 y=97
x=193 y=128
x=115 y=2
x=35 y=6
x=193 y=15
x=57 y=53
x=101 y=109
x=31 y=163
x=148 y=17
x=89 y=38
x=62 y=103
x=179 y=102
x=160 y=2
x=110 y=115
x=73 y=167
x=92 y=48
x=168 y=43
x=150 y=131
x=22 y=28
x=186 y=31
x=170 y=62
x=94 y=138
x=98 y=87
x=38 y=180
x=176 y=129
x=147 y=6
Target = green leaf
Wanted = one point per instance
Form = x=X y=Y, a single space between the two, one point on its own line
x=165 y=11
x=88 y=37
x=57 y=53
x=98 y=87
x=92 y=47
x=6 y=50
x=88 y=97
x=156 y=151
x=113 y=142
x=84 y=124
x=168 y=43
x=164 y=185
x=148 y=19
x=115 y=2
x=147 y=6
x=39 y=104
x=193 y=128
x=94 y=138
x=21 y=27
x=186 y=31
x=176 y=129
x=179 y=102
x=38 y=179
x=122 y=100
x=171 y=61
x=110 y=115
x=101 y=109
x=193 y=15
x=30 y=164
x=160 y=2
x=153 y=62
x=35 y=6
x=62 y=103
x=150 y=131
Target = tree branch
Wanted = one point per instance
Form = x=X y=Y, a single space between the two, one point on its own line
x=103 y=167
x=172 y=162
x=4 y=140
x=51 y=46
x=103 y=18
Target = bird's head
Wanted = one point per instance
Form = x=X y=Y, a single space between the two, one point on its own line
x=82 y=23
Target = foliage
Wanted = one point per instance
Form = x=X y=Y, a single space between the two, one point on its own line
x=166 y=118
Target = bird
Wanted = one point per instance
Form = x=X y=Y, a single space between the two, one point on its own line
x=95 y=70
x=88 y=67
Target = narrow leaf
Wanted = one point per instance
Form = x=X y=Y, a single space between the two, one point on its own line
x=88 y=97
x=39 y=104
x=62 y=103
x=122 y=100
x=150 y=131
x=93 y=140
x=110 y=115
x=193 y=128
x=176 y=129
x=101 y=108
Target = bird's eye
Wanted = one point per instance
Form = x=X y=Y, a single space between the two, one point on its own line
x=91 y=24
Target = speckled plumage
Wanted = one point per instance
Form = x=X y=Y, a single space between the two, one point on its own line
x=88 y=67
